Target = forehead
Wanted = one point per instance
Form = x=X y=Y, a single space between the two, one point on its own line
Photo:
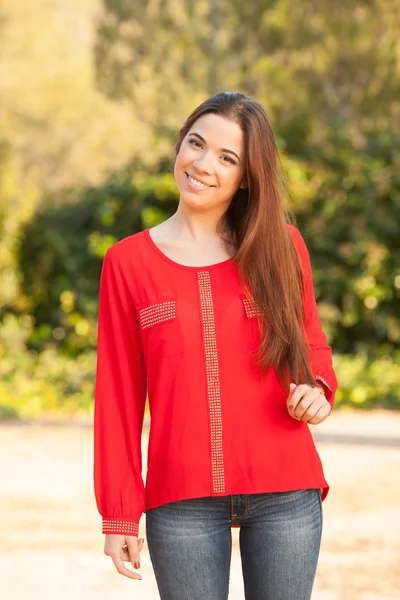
x=219 y=131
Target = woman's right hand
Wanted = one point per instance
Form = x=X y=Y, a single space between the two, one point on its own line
x=124 y=548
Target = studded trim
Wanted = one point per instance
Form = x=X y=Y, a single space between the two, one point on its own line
x=213 y=381
x=120 y=527
x=157 y=313
x=319 y=378
x=251 y=307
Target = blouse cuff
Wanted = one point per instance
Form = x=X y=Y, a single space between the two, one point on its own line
x=329 y=391
x=118 y=527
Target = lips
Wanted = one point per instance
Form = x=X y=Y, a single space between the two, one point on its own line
x=199 y=180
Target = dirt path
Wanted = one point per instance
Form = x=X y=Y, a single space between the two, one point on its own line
x=51 y=541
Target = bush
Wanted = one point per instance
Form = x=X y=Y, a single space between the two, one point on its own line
x=365 y=384
x=60 y=252
x=35 y=385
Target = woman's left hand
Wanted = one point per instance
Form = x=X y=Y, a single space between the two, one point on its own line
x=308 y=404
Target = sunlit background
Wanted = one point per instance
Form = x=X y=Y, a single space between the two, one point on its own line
x=92 y=96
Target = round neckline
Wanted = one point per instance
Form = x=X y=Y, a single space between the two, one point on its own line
x=169 y=260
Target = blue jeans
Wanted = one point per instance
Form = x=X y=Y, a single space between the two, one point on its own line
x=190 y=543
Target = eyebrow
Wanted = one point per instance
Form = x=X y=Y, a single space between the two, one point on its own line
x=222 y=149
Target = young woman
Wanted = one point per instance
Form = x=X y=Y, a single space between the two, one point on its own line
x=212 y=315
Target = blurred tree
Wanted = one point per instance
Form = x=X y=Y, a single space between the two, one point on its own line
x=351 y=227
x=328 y=76
x=65 y=244
x=56 y=129
x=50 y=112
x=312 y=64
x=355 y=252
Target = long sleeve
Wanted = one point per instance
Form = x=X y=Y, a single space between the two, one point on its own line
x=120 y=398
x=321 y=353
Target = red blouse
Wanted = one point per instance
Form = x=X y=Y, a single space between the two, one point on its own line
x=183 y=336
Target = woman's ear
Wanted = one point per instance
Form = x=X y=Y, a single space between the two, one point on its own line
x=243 y=185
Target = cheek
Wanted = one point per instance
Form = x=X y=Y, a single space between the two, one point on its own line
x=179 y=167
x=176 y=167
x=232 y=180
x=182 y=160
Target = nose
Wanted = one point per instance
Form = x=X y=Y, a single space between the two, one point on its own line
x=203 y=163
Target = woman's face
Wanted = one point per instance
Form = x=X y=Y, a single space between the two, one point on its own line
x=213 y=154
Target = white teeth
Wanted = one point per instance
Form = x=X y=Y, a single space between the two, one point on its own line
x=197 y=183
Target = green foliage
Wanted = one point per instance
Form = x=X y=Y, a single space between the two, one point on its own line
x=329 y=76
x=351 y=226
x=34 y=383
x=309 y=63
x=47 y=383
x=65 y=243
x=365 y=384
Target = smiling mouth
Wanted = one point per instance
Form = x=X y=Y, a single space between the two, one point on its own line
x=197 y=184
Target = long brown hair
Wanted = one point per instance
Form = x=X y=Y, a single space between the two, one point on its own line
x=257 y=222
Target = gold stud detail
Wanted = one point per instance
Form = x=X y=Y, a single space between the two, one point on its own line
x=157 y=313
x=251 y=307
x=128 y=527
x=213 y=381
